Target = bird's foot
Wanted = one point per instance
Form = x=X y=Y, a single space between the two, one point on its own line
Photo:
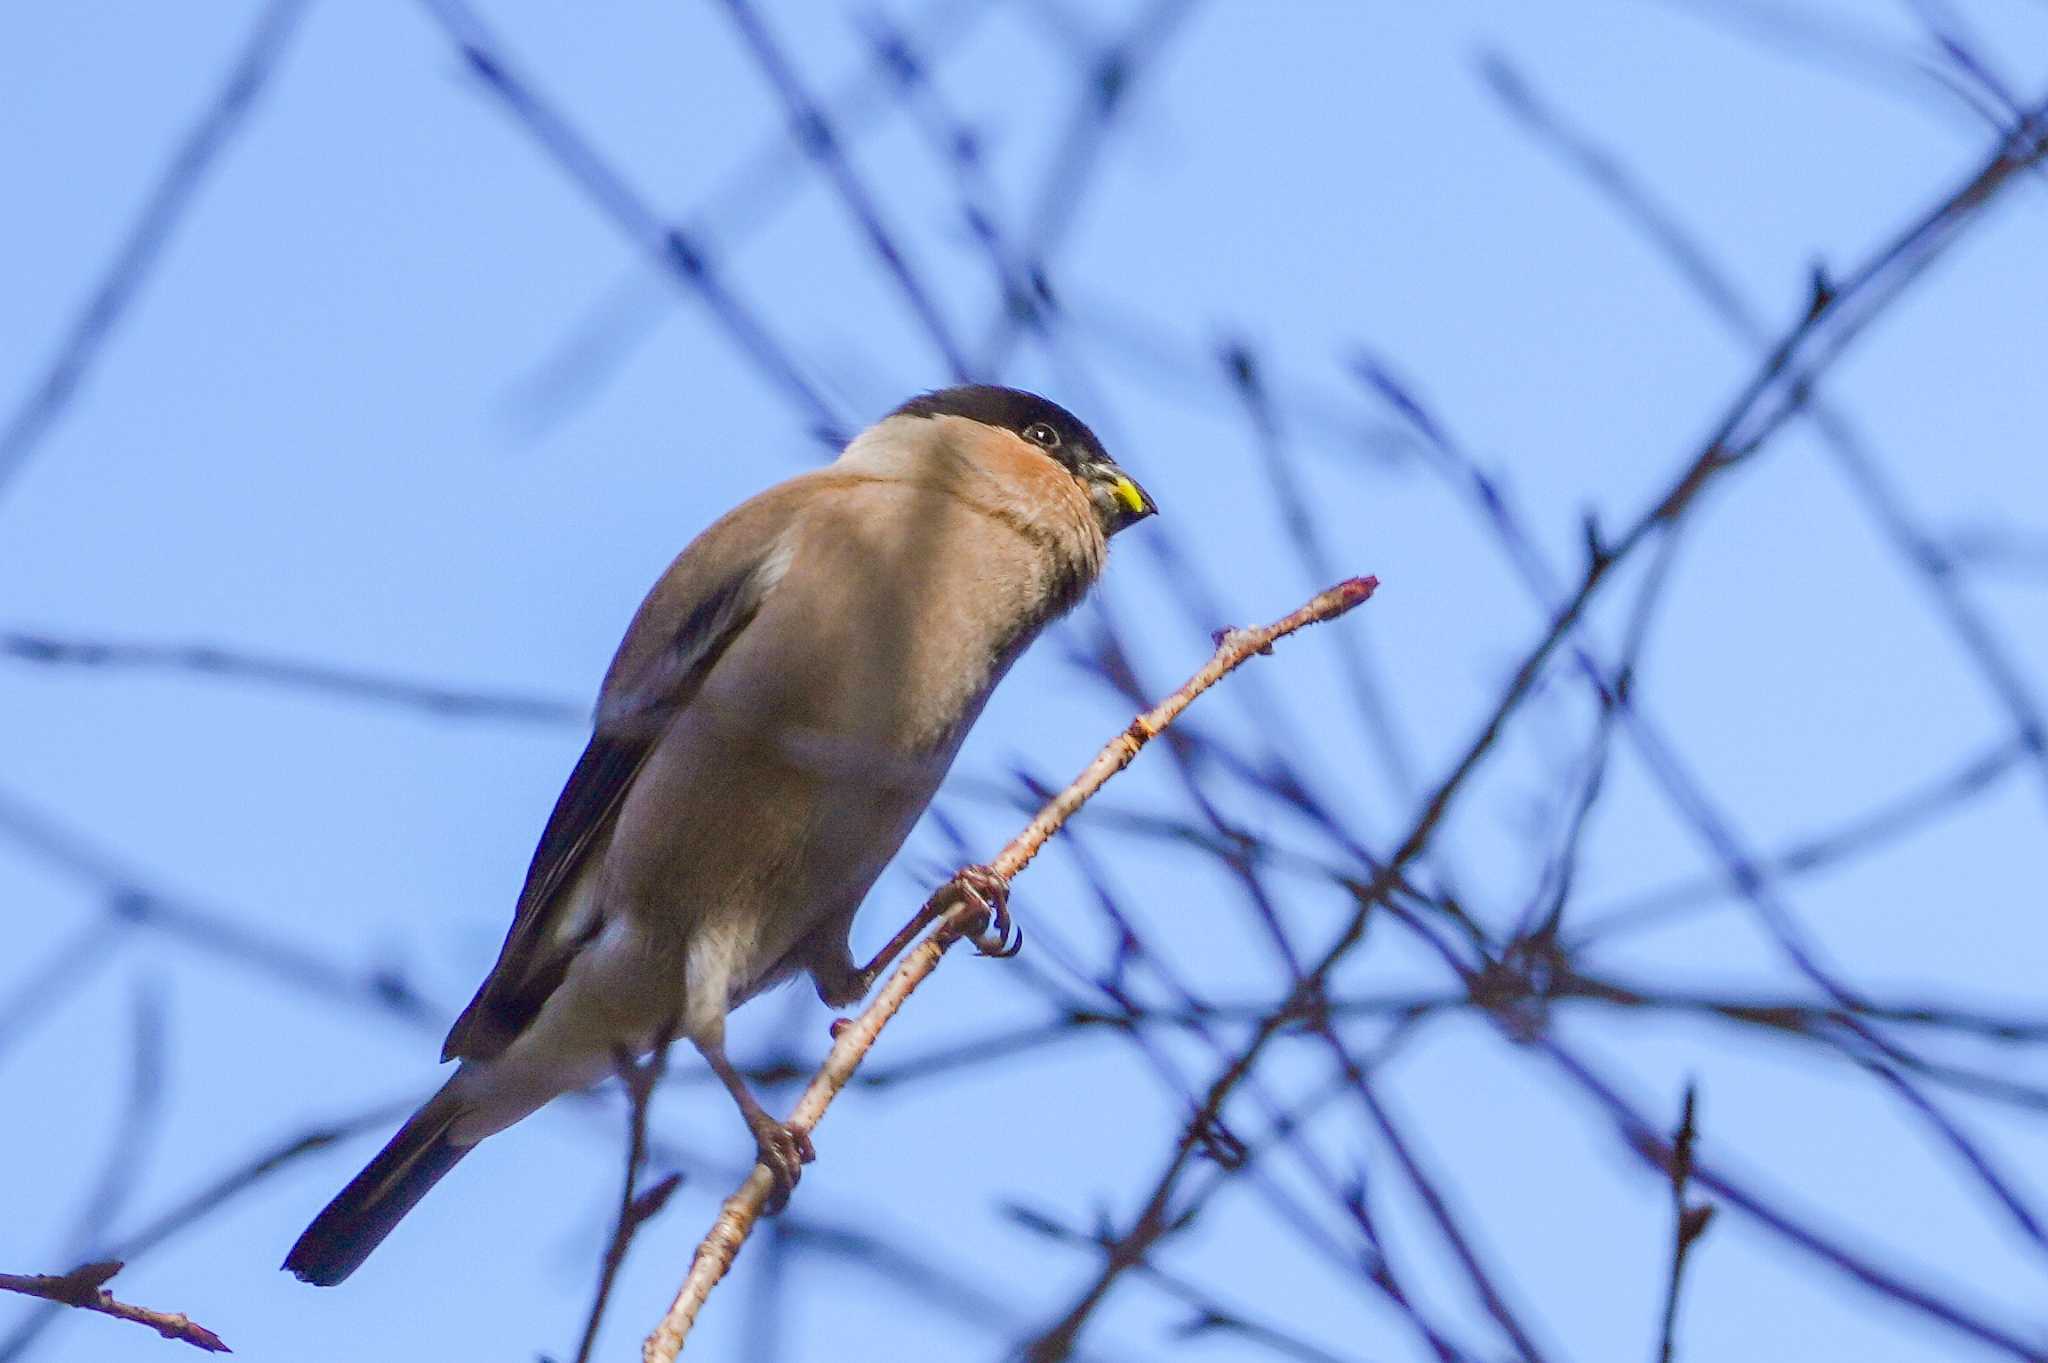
x=785 y=1151
x=987 y=891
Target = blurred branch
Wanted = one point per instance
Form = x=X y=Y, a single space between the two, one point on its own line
x=1318 y=558
x=132 y=902
x=1706 y=818
x=213 y=1196
x=440 y=702
x=1208 y=1315
x=765 y=181
x=1104 y=97
x=1778 y=389
x=635 y=1207
x=1643 y=1139
x=668 y=247
x=1434 y=1199
x=813 y=133
x=1828 y=39
x=1973 y=1156
x=931 y=1279
x=1688 y=1223
x=85 y=1288
x=90 y=948
x=1883 y=500
x=1379 y=1269
x=1563 y=986
x=1956 y=41
x=176 y=187
x=1871 y=831
x=134 y=1128
x=2015 y=551
x=715 y=1255
x=906 y=59
x=1766 y=1212
x=1232 y=1155
x=1771 y=401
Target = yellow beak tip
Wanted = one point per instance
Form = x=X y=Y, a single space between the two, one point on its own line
x=1131 y=496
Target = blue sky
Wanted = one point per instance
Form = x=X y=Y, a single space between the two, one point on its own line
x=324 y=431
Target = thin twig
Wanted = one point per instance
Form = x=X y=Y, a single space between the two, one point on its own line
x=1896 y=1285
x=928 y=1276
x=440 y=702
x=85 y=1288
x=135 y=1128
x=1489 y=1292
x=736 y=1219
x=1363 y=672
x=814 y=134
x=1097 y=109
x=1688 y=1222
x=169 y=199
x=1207 y=1314
x=635 y=1208
x=668 y=247
x=745 y=202
x=1870 y=830
x=213 y=931
x=1883 y=500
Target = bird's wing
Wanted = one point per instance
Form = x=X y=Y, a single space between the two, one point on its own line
x=706 y=599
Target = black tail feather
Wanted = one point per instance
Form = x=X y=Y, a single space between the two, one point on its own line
x=375 y=1200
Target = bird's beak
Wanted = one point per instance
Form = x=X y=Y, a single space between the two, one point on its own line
x=1134 y=504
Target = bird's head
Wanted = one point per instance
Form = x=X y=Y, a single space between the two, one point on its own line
x=1044 y=429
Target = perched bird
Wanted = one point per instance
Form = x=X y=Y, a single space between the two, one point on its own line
x=780 y=712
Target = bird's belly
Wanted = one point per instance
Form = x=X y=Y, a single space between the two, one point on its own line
x=730 y=852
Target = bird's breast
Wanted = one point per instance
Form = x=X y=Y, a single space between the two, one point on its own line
x=888 y=630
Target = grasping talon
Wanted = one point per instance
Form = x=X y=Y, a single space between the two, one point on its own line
x=989 y=892
x=785 y=1151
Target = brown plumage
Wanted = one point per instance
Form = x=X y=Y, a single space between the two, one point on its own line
x=780 y=712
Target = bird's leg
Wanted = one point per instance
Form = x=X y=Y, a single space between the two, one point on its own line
x=979 y=886
x=845 y=990
x=785 y=1151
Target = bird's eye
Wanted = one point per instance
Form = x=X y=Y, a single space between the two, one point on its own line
x=1042 y=435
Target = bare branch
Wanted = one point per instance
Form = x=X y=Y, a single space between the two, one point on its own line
x=440 y=702
x=1688 y=1223
x=635 y=1207
x=1891 y=1283
x=168 y=200
x=1886 y=503
x=85 y=1288
x=814 y=135
x=668 y=247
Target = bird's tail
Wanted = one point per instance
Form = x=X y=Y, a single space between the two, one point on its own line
x=363 y=1213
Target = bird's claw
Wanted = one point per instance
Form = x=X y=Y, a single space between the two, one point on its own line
x=785 y=1151
x=989 y=892
x=1000 y=945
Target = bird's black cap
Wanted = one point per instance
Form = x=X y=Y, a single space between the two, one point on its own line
x=1013 y=409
